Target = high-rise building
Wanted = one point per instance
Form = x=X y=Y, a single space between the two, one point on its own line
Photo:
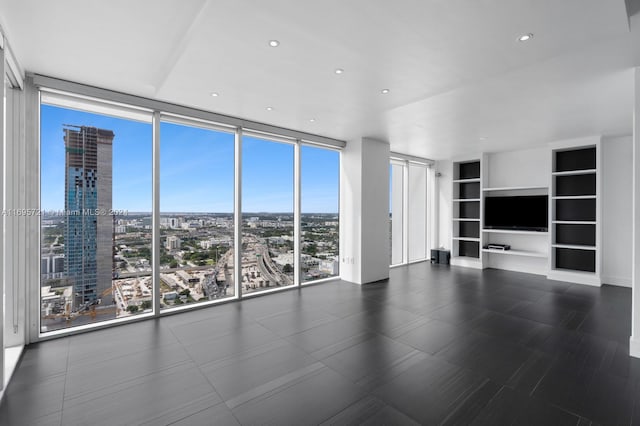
x=88 y=202
x=173 y=242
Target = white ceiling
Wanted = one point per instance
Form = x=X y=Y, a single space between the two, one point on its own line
x=455 y=69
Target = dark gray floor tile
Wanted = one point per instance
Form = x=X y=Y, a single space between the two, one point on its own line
x=370 y=411
x=192 y=415
x=117 y=371
x=486 y=355
x=331 y=337
x=311 y=400
x=543 y=313
x=234 y=343
x=529 y=375
x=388 y=320
x=469 y=409
x=512 y=407
x=457 y=313
x=368 y=359
x=118 y=341
x=30 y=403
x=288 y=323
x=238 y=374
x=593 y=395
x=429 y=390
x=433 y=336
x=509 y=328
x=150 y=397
x=42 y=360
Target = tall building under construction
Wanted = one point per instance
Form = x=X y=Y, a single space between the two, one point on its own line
x=88 y=202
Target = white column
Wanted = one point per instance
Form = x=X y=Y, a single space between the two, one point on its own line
x=634 y=343
x=364 y=211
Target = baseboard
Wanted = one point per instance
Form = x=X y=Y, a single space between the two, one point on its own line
x=634 y=347
x=619 y=281
x=466 y=262
x=575 y=277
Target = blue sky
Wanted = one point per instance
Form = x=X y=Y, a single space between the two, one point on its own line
x=196 y=168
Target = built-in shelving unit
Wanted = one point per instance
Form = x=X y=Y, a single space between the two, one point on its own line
x=575 y=214
x=515 y=174
x=467 y=201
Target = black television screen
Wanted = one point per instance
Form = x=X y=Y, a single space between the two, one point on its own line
x=527 y=213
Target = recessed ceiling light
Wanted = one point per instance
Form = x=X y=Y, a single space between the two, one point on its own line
x=384 y=91
x=525 y=37
x=274 y=43
x=339 y=71
x=312 y=120
x=269 y=108
x=215 y=94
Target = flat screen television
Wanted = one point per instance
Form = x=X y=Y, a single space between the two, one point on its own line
x=523 y=213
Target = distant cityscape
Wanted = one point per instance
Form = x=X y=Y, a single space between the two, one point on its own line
x=96 y=262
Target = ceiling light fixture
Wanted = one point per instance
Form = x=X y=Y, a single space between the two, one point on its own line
x=384 y=91
x=482 y=138
x=269 y=108
x=215 y=94
x=525 y=37
x=274 y=43
x=312 y=120
x=339 y=71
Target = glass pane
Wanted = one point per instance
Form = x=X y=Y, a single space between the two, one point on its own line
x=196 y=214
x=320 y=174
x=267 y=215
x=96 y=217
x=417 y=220
x=396 y=212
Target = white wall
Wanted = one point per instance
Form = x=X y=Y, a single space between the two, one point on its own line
x=527 y=167
x=364 y=211
x=634 y=341
x=445 y=186
x=617 y=167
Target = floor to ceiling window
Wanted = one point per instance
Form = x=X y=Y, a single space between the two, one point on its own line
x=320 y=239
x=235 y=212
x=408 y=211
x=268 y=257
x=96 y=190
x=196 y=214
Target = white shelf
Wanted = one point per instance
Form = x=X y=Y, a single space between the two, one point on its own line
x=463 y=219
x=575 y=197
x=574 y=222
x=517 y=188
x=466 y=180
x=516 y=253
x=514 y=232
x=466 y=239
x=573 y=247
x=575 y=172
x=462 y=200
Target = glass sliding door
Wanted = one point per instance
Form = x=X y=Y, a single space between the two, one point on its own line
x=320 y=185
x=196 y=214
x=96 y=192
x=397 y=211
x=408 y=211
x=268 y=259
x=417 y=212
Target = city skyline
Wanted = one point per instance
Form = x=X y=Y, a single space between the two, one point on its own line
x=203 y=183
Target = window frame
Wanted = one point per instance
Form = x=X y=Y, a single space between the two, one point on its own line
x=163 y=111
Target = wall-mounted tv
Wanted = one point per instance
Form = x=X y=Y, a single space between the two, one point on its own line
x=523 y=213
